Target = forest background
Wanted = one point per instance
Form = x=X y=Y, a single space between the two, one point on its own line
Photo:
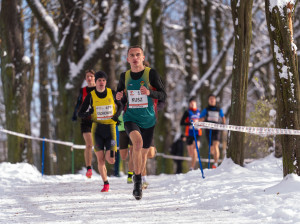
x=199 y=47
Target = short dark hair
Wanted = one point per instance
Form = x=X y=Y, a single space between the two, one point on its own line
x=192 y=99
x=211 y=95
x=89 y=71
x=135 y=46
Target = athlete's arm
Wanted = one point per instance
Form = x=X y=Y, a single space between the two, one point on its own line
x=222 y=116
x=79 y=101
x=120 y=87
x=202 y=115
x=157 y=83
x=119 y=106
x=183 y=119
x=85 y=110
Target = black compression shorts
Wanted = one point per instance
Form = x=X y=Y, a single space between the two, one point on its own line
x=124 y=140
x=147 y=133
x=104 y=136
x=85 y=126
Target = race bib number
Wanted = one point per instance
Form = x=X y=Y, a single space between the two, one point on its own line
x=104 y=112
x=136 y=99
x=213 y=116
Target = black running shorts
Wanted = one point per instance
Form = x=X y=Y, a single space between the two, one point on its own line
x=124 y=140
x=147 y=133
x=85 y=126
x=191 y=139
x=215 y=135
x=104 y=136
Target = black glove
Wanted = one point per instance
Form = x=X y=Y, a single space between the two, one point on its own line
x=116 y=119
x=91 y=110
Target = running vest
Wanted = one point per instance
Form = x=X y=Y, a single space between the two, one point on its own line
x=193 y=115
x=140 y=108
x=213 y=115
x=104 y=108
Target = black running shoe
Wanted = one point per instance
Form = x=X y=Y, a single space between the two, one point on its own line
x=137 y=187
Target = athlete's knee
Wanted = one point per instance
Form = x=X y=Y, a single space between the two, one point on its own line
x=88 y=146
x=124 y=154
x=137 y=144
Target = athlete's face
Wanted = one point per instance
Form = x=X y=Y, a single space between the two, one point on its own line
x=101 y=84
x=90 y=79
x=193 y=104
x=212 y=101
x=135 y=57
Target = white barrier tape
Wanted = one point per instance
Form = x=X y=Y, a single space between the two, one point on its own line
x=70 y=144
x=251 y=130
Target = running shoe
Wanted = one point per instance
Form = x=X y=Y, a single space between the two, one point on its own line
x=89 y=173
x=213 y=167
x=145 y=185
x=129 y=180
x=137 y=188
x=105 y=188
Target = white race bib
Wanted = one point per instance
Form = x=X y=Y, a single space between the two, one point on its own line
x=136 y=99
x=104 y=112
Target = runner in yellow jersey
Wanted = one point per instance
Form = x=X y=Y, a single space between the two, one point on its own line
x=104 y=110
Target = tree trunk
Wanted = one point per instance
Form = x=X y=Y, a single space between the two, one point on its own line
x=163 y=138
x=15 y=74
x=242 y=18
x=188 y=42
x=137 y=21
x=279 y=19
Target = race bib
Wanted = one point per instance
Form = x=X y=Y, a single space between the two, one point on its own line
x=104 y=112
x=136 y=99
x=213 y=116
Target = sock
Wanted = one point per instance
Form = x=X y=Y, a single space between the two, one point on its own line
x=216 y=164
x=144 y=179
x=130 y=174
x=88 y=167
x=138 y=177
x=106 y=182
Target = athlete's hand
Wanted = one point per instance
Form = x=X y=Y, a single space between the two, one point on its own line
x=144 y=91
x=119 y=95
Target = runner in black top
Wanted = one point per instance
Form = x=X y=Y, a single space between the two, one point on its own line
x=86 y=123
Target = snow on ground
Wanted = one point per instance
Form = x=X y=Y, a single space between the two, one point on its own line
x=256 y=193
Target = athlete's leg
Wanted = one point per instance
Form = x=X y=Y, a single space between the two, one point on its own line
x=144 y=161
x=191 y=152
x=123 y=153
x=137 y=144
x=215 y=147
x=101 y=164
x=88 y=154
x=130 y=161
x=151 y=152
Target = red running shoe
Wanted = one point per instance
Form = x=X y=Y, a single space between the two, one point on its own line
x=213 y=167
x=89 y=173
x=105 y=188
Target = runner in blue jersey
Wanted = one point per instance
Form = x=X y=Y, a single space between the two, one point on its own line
x=143 y=87
x=213 y=114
